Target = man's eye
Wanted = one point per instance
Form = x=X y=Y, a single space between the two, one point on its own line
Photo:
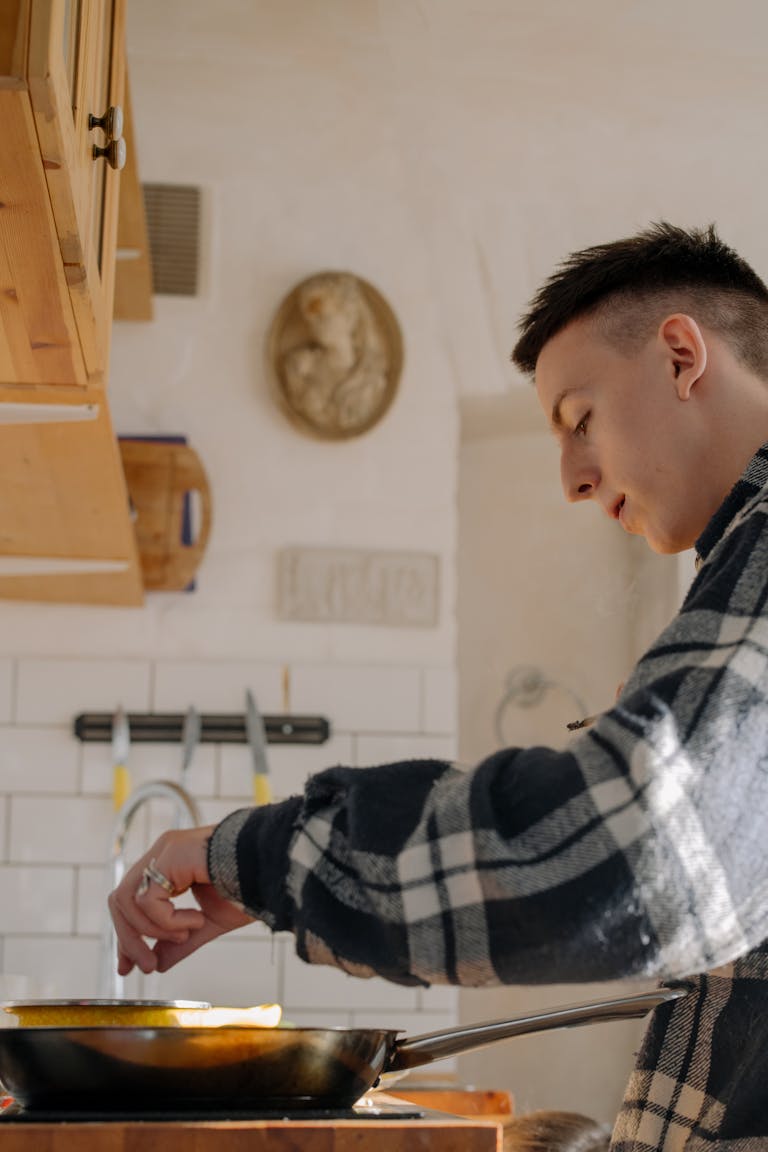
x=581 y=427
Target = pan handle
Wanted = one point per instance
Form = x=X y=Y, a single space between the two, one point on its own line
x=431 y=1046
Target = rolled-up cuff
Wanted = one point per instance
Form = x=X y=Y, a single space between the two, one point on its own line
x=248 y=860
x=222 y=855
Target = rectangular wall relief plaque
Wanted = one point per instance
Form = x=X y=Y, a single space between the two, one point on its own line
x=345 y=586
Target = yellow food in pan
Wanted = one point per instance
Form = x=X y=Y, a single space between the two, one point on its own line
x=133 y=1014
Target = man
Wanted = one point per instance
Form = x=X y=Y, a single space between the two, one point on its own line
x=641 y=850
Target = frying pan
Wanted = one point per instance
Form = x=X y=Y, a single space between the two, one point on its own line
x=242 y=1069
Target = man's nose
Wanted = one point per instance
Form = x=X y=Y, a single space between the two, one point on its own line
x=579 y=478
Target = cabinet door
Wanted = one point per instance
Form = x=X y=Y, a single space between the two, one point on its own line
x=76 y=71
x=39 y=341
x=65 y=532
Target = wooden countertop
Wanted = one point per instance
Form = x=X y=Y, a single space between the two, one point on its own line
x=433 y=1133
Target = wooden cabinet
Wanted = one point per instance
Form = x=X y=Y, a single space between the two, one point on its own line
x=65 y=527
x=75 y=75
x=63 y=64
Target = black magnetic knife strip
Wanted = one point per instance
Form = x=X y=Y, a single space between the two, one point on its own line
x=215 y=728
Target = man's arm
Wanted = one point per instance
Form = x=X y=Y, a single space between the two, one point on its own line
x=638 y=851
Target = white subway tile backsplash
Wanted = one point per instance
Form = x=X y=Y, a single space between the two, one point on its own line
x=6 y=690
x=38 y=760
x=164 y=814
x=35 y=899
x=363 y=698
x=55 y=691
x=216 y=686
x=61 y=967
x=132 y=986
x=151 y=762
x=59 y=830
x=215 y=810
x=56 y=818
x=440 y=700
x=97 y=769
x=92 y=889
x=306 y=1018
x=307 y=985
x=439 y=998
x=289 y=765
x=257 y=930
x=236 y=774
x=228 y=971
x=16 y=986
x=412 y=1023
x=387 y=749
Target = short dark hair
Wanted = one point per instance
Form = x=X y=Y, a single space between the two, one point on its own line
x=551 y=1131
x=625 y=284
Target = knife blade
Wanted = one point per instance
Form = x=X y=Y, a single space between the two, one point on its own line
x=121 y=742
x=257 y=739
x=190 y=737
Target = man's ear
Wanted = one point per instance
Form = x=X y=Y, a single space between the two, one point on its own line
x=685 y=350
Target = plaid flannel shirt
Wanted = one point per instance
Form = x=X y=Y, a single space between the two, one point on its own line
x=638 y=851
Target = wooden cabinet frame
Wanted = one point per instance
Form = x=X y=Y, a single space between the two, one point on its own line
x=65 y=529
x=87 y=232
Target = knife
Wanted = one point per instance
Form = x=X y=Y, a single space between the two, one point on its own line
x=121 y=742
x=257 y=738
x=190 y=737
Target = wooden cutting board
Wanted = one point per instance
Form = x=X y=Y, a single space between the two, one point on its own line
x=164 y=478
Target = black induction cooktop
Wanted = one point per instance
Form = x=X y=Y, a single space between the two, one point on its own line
x=15 y=1114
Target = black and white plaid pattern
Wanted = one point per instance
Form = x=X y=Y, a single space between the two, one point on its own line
x=641 y=850
x=701 y=1080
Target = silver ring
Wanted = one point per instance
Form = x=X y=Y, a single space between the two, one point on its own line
x=153 y=875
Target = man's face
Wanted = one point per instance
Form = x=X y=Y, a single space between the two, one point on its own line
x=627 y=438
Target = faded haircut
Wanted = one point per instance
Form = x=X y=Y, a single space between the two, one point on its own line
x=628 y=286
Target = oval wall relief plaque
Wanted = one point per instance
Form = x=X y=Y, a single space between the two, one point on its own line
x=336 y=353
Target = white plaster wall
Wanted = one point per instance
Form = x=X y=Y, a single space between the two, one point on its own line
x=286 y=117
x=558 y=590
x=450 y=151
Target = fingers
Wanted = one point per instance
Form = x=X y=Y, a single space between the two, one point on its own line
x=170 y=952
x=220 y=916
x=160 y=921
x=142 y=905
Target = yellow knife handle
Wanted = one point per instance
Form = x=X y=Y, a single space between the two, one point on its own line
x=121 y=786
x=261 y=791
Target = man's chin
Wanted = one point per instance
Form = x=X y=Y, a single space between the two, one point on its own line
x=663 y=546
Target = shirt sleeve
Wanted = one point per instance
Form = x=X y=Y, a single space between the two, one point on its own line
x=638 y=851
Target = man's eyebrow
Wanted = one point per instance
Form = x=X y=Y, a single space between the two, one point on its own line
x=556 y=418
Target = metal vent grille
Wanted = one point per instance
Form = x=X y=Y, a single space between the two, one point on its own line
x=173 y=224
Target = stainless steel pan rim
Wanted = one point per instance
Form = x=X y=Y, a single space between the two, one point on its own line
x=88 y=1003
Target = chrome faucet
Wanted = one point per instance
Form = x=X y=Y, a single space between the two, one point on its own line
x=186 y=815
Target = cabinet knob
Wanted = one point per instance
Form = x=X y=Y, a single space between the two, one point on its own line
x=114 y=152
x=111 y=123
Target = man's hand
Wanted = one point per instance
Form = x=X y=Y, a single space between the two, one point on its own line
x=142 y=908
